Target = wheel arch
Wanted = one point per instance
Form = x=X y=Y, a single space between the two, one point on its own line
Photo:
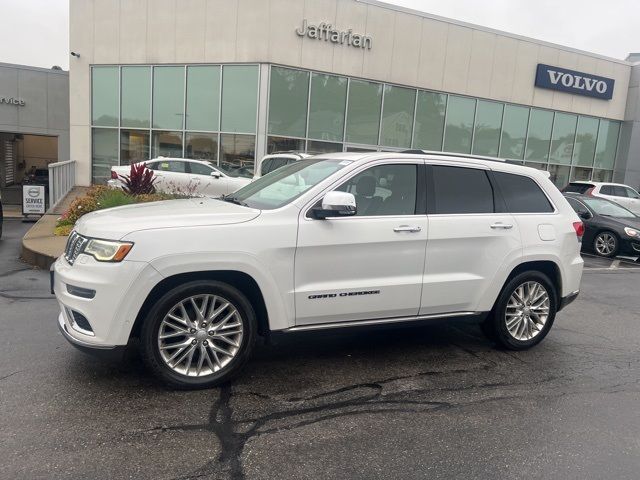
x=240 y=280
x=548 y=267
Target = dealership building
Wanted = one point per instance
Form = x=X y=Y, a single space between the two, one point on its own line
x=233 y=80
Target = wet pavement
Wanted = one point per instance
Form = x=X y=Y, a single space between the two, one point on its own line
x=435 y=401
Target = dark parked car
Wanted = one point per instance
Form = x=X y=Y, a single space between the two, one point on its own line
x=1 y=216
x=610 y=229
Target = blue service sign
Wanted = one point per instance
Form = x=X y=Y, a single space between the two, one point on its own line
x=570 y=81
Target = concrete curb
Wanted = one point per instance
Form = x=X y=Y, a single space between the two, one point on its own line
x=40 y=247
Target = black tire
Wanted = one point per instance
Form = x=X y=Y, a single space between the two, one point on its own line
x=151 y=330
x=615 y=239
x=495 y=326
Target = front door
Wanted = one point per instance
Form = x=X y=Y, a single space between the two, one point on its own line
x=468 y=240
x=368 y=266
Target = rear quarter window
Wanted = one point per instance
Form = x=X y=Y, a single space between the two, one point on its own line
x=522 y=194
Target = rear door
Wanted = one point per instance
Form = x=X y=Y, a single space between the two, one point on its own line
x=469 y=239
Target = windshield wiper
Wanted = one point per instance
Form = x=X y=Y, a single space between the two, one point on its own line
x=231 y=199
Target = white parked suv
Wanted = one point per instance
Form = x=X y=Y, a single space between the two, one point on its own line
x=616 y=192
x=334 y=241
x=183 y=175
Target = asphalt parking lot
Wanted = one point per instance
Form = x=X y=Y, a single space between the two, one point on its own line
x=434 y=401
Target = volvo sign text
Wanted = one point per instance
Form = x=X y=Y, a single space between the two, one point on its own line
x=570 y=81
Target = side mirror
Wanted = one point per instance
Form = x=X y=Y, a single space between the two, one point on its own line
x=216 y=174
x=336 y=204
x=585 y=215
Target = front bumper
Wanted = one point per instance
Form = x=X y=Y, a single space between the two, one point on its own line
x=104 y=319
x=105 y=352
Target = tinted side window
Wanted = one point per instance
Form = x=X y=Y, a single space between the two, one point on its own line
x=577 y=187
x=521 y=194
x=461 y=190
x=199 y=169
x=152 y=165
x=384 y=190
x=620 y=191
x=606 y=190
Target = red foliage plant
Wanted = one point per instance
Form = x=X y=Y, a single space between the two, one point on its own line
x=140 y=180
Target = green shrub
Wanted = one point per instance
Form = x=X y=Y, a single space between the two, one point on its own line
x=113 y=198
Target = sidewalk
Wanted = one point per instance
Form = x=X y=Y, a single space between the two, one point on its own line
x=12 y=211
x=40 y=247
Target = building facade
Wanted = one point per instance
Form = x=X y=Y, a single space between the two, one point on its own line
x=34 y=123
x=232 y=80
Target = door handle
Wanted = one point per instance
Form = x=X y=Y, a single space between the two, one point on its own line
x=407 y=228
x=503 y=226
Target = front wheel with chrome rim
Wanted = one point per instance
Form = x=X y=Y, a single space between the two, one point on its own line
x=199 y=334
x=605 y=244
x=524 y=311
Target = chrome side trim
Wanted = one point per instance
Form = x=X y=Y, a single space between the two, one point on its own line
x=380 y=321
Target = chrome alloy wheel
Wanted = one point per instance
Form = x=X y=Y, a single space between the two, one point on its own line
x=605 y=244
x=527 y=311
x=200 y=335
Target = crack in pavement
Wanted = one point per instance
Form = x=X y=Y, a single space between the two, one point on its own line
x=372 y=400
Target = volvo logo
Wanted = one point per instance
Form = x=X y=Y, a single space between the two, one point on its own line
x=570 y=81
x=33 y=192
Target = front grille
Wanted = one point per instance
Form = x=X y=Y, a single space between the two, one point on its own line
x=75 y=246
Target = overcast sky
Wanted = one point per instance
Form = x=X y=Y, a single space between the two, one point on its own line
x=35 y=32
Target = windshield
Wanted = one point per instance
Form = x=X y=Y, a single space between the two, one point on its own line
x=285 y=184
x=607 y=208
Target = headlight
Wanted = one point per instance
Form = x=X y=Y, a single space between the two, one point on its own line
x=107 y=251
x=632 y=232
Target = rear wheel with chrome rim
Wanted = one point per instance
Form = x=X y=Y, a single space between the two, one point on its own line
x=605 y=244
x=199 y=334
x=524 y=311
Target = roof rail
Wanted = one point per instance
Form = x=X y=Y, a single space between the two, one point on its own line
x=452 y=154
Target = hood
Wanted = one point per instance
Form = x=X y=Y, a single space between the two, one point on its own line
x=115 y=223
x=633 y=222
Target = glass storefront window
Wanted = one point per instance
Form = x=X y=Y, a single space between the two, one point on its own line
x=238 y=152
x=563 y=138
x=168 y=97
x=580 y=174
x=326 y=107
x=539 y=136
x=514 y=132
x=429 y=126
x=203 y=98
x=536 y=165
x=104 y=153
x=459 y=124
x=201 y=146
x=559 y=175
x=315 y=146
x=288 y=98
x=488 y=123
x=104 y=96
x=283 y=144
x=363 y=115
x=239 y=98
x=134 y=146
x=585 y=147
x=607 y=144
x=135 y=108
x=166 y=144
x=602 y=175
x=397 y=116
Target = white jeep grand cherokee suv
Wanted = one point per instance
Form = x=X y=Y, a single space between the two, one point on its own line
x=333 y=241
